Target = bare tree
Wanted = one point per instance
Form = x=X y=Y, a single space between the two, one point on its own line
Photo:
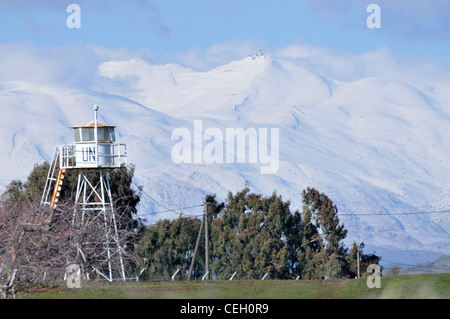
x=101 y=239
x=34 y=243
x=38 y=243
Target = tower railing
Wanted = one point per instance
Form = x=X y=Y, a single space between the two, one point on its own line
x=108 y=156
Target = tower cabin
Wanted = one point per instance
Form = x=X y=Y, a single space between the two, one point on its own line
x=96 y=151
x=94 y=148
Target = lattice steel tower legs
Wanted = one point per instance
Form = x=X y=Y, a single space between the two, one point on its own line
x=94 y=214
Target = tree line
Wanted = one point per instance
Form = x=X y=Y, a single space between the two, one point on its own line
x=250 y=235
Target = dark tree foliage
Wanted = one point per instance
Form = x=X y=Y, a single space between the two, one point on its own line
x=14 y=195
x=330 y=257
x=253 y=235
x=168 y=246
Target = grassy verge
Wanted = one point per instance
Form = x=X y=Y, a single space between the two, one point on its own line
x=395 y=287
x=424 y=286
x=190 y=290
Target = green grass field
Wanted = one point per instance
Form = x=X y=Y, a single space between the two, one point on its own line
x=393 y=287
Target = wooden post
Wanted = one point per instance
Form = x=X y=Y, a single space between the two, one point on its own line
x=196 y=249
x=206 y=241
x=208 y=201
x=357 y=262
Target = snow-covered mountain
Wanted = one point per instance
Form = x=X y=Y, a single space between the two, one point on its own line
x=378 y=148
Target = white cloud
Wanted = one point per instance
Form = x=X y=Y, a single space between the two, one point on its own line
x=217 y=54
x=382 y=63
x=77 y=67
x=30 y=63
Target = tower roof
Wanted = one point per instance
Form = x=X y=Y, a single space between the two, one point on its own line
x=92 y=124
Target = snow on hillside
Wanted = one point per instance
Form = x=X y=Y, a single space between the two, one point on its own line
x=375 y=146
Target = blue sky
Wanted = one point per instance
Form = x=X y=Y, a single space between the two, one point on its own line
x=410 y=27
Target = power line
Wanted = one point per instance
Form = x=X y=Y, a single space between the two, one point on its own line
x=409 y=265
x=395 y=214
x=167 y=210
x=141 y=189
x=394 y=262
x=173 y=210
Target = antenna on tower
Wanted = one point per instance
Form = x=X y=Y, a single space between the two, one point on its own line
x=96 y=131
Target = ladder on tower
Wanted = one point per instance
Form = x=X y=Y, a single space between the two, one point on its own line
x=54 y=181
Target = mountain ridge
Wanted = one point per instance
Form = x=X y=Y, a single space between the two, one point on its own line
x=373 y=146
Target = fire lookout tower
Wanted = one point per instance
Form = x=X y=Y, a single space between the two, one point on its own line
x=93 y=154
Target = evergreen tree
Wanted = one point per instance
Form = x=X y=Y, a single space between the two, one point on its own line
x=14 y=195
x=168 y=246
x=327 y=258
x=311 y=241
x=253 y=235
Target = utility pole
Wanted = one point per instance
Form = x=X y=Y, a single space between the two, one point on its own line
x=357 y=262
x=209 y=200
x=196 y=249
